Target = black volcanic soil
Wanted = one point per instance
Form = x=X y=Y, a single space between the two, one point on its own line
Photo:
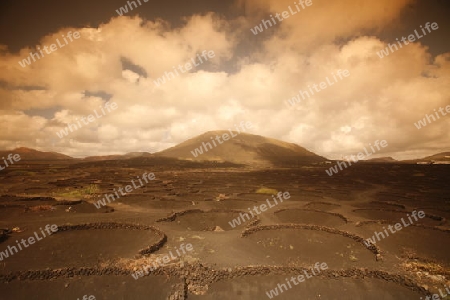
x=310 y=217
x=257 y=287
x=325 y=220
x=106 y=287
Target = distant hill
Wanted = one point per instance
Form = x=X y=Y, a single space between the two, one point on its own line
x=382 y=160
x=248 y=149
x=117 y=156
x=444 y=156
x=31 y=154
x=243 y=149
x=440 y=158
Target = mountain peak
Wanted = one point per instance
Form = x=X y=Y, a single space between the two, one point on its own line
x=241 y=148
x=33 y=154
x=24 y=150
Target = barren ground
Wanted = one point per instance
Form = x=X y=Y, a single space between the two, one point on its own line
x=326 y=219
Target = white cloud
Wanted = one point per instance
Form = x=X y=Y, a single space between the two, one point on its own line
x=381 y=99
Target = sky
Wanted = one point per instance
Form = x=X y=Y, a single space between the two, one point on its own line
x=248 y=77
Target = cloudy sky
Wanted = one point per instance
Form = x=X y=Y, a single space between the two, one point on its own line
x=250 y=78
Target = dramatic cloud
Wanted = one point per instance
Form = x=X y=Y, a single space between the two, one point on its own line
x=121 y=60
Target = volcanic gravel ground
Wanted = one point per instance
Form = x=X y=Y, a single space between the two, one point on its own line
x=326 y=219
